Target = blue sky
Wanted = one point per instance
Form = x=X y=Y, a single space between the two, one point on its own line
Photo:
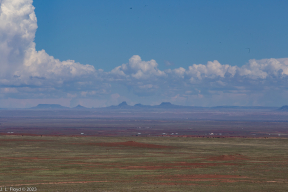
x=100 y=53
x=106 y=34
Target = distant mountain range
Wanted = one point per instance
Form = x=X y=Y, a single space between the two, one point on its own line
x=241 y=107
x=122 y=105
x=169 y=105
x=283 y=108
x=163 y=105
x=49 y=106
x=56 y=106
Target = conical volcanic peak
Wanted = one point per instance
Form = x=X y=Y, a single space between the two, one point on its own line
x=123 y=104
x=79 y=107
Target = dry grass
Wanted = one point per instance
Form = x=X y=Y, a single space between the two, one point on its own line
x=143 y=163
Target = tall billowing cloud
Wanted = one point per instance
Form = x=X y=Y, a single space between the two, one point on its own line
x=19 y=59
x=18 y=25
x=29 y=77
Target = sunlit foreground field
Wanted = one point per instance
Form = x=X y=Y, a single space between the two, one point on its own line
x=60 y=163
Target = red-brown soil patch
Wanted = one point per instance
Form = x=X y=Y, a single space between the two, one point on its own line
x=186 y=164
x=204 y=176
x=26 y=158
x=228 y=158
x=32 y=140
x=146 y=167
x=128 y=144
x=183 y=179
x=83 y=163
x=177 y=165
x=173 y=183
x=59 y=183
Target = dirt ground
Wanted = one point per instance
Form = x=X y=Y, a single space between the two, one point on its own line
x=96 y=150
x=89 y=163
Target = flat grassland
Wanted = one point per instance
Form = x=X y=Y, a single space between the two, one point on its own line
x=94 y=163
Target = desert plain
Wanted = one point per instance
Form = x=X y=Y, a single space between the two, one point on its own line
x=91 y=150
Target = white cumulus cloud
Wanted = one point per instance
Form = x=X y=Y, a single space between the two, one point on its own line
x=139 y=69
x=18 y=24
x=28 y=75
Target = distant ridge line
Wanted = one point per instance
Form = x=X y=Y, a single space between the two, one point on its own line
x=49 y=106
x=163 y=105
